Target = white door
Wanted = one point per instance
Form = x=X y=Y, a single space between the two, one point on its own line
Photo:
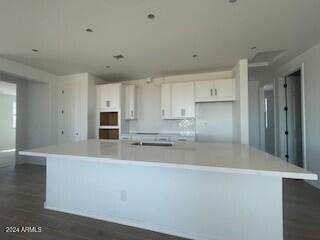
x=223 y=88
x=166 y=101
x=203 y=90
x=183 y=105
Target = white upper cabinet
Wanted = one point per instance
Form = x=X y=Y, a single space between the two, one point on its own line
x=130 y=102
x=177 y=100
x=224 y=88
x=182 y=100
x=108 y=96
x=166 y=101
x=215 y=90
x=203 y=90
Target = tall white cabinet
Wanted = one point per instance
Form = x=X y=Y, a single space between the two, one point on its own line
x=70 y=112
x=166 y=101
x=130 y=102
x=75 y=102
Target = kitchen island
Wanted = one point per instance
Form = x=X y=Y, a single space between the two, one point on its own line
x=193 y=190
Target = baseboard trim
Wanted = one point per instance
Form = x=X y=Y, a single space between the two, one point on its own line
x=131 y=223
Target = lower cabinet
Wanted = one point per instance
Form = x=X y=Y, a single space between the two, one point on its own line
x=157 y=138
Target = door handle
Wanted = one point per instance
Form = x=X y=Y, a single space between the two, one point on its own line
x=215 y=92
x=211 y=92
x=162 y=112
x=131 y=113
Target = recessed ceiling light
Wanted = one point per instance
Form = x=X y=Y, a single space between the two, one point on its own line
x=232 y=1
x=151 y=16
x=253 y=48
x=90 y=30
x=34 y=50
x=194 y=55
x=107 y=66
x=120 y=56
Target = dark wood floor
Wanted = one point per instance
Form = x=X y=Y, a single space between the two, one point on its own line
x=22 y=196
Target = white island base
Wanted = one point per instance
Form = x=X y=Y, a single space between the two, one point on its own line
x=190 y=203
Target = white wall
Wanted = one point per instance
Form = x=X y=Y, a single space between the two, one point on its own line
x=214 y=122
x=42 y=125
x=254 y=120
x=256 y=115
x=8 y=133
x=240 y=105
x=311 y=61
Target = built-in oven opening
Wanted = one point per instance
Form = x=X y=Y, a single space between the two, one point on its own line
x=108 y=118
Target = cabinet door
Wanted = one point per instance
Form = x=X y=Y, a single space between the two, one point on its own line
x=224 y=88
x=203 y=91
x=114 y=92
x=166 y=101
x=108 y=96
x=183 y=105
x=103 y=97
x=130 y=97
x=70 y=118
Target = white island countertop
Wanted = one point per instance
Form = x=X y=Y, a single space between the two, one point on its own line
x=225 y=158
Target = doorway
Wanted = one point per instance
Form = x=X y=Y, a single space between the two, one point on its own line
x=293 y=118
x=267 y=134
x=8 y=112
x=269 y=118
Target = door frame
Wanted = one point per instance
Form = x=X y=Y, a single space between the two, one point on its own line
x=262 y=120
x=303 y=107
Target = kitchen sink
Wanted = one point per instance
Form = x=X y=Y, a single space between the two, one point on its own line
x=157 y=144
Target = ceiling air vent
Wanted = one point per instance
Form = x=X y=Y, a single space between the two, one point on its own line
x=264 y=59
x=120 y=56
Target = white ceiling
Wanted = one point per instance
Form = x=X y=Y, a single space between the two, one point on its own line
x=217 y=31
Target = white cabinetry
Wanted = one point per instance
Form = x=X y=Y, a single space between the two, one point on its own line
x=130 y=102
x=108 y=96
x=215 y=90
x=166 y=101
x=76 y=107
x=182 y=98
x=177 y=100
x=70 y=111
